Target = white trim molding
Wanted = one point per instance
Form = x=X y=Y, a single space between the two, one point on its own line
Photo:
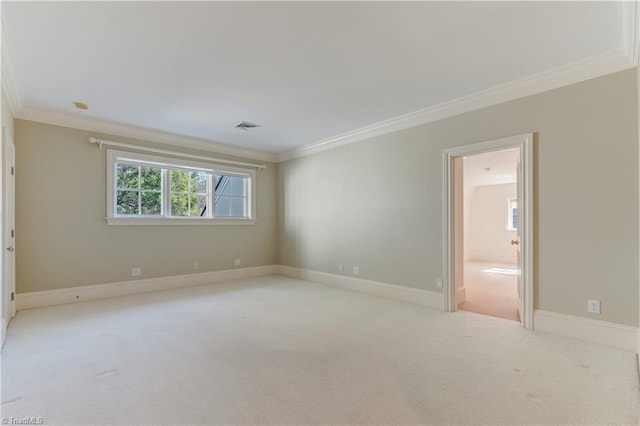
x=565 y=75
x=176 y=221
x=102 y=142
x=96 y=125
x=526 y=220
x=10 y=85
x=601 y=332
x=576 y=72
x=38 y=299
x=630 y=16
x=416 y=296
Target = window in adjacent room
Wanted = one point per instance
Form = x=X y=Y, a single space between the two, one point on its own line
x=512 y=215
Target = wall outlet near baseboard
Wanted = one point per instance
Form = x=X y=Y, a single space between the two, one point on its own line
x=439 y=283
x=237 y=262
x=195 y=265
x=593 y=306
x=340 y=267
x=136 y=272
x=356 y=270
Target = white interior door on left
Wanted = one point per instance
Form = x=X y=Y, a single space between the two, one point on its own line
x=8 y=230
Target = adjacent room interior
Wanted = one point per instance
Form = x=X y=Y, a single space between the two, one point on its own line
x=490 y=284
x=239 y=213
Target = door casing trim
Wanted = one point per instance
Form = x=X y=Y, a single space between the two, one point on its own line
x=526 y=219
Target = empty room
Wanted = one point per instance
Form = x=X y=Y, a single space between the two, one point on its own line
x=267 y=213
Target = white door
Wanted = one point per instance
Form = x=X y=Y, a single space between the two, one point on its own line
x=518 y=239
x=8 y=232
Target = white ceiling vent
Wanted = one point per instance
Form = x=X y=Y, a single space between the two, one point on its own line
x=246 y=126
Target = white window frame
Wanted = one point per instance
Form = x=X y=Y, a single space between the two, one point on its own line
x=509 y=216
x=112 y=218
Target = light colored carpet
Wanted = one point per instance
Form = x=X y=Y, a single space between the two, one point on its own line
x=276 y=350
x=490 y=293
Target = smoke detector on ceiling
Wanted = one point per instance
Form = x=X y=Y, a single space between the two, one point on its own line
x=246 y=126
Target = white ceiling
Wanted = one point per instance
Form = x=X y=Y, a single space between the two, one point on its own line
x=501 y=165
x=305 y=71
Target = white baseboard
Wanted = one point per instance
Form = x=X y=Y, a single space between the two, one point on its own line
x=430 y=299
x=601 y=332
x=39 y=299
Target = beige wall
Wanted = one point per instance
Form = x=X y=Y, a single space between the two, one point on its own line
x=62 y=239
x=378 y=203
x=7 y=117
x=489 y=238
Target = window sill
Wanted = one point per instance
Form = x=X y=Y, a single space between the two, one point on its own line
x=166 y=221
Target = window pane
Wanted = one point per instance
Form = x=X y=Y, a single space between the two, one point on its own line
x=127 y=176
x=222 y=185
x=179 y=205
x=199 y=182
x=237 y=207
x=179 y=181
x=198 y=203
x=151 y=203
x=127 y=202
x=222 y=207
x=151 y=178
x=237 y=186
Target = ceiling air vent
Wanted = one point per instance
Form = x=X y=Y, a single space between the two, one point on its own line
x=246 y=126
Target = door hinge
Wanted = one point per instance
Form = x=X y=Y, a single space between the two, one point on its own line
x=13 y=233
x=13 y=171
x=13 y=296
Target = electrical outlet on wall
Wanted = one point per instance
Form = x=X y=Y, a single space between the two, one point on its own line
x=136 y=272
x=340 y=268
x=195 y=265
x=237 y=262
x=593 y=306
x=438 y=282
x=356 y=270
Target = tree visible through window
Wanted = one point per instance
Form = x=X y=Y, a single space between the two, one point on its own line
x=189 y=193
x=139 y=190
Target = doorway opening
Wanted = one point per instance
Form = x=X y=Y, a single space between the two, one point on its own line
x=488 y=222
x=489 y=283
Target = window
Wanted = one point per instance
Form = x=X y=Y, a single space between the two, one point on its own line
x=139 y=190
x=512 y=215
x=189 y=192
x=145 y=189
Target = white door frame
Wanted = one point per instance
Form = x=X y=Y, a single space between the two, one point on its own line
x=525 y=218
